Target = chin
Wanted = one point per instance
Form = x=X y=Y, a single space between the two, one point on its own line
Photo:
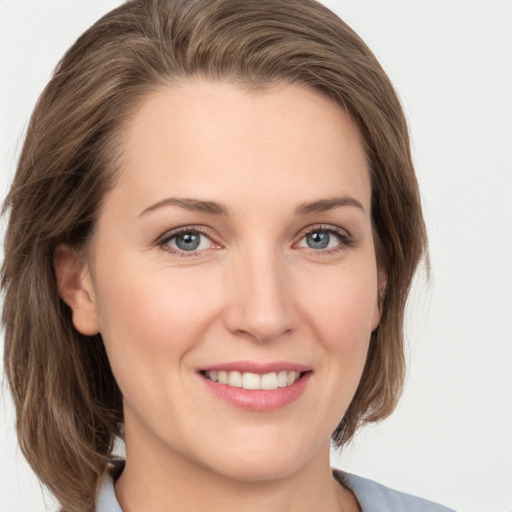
x=264 y=460
x=248 y=469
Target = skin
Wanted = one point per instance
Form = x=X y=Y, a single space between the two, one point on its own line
x=254 y=290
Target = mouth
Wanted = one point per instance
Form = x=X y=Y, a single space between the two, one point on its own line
x=254 y=381
x=257 y=387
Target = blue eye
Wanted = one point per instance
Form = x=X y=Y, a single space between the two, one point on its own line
x=318 y=239
x=324 y=238
x=187 y=241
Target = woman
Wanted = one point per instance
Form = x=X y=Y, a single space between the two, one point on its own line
x=213 y=229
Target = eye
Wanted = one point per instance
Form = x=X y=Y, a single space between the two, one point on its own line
x=321 y=240
x=325 y=239
x=186 y=241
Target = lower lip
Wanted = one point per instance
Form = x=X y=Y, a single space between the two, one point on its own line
x=259 y=400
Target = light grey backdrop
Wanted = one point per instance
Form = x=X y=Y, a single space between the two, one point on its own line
x=451 y=61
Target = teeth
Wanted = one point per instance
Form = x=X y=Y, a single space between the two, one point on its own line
x=247 y=380
x=251 y=381
x=282 y=379
x=269 y=381
x=235 y=379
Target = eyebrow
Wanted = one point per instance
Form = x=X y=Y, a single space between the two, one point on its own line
x=193 y=205
x=215 y=208
x=323 y=205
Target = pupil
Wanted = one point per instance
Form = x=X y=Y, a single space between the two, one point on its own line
x=188 y=242
x=318 y=240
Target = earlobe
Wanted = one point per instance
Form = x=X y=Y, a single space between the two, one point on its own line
x=76 y=289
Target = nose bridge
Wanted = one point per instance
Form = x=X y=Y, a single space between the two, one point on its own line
x=260 y=303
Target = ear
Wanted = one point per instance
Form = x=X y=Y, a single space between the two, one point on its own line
x=381 y=290
x=76 y=289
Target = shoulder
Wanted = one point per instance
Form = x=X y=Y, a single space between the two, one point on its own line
x=374 y=497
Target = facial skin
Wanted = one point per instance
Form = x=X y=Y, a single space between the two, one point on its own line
x=257 y=288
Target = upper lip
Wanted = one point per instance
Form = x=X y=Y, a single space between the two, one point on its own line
x=257 y=367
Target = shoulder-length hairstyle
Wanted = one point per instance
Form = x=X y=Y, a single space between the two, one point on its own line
x=68 y=405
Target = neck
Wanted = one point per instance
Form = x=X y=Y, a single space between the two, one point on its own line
x=170 y=480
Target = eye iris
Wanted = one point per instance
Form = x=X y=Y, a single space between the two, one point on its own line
x=188 y=241
x=318 y=239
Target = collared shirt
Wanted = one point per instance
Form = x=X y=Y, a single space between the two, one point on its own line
x=372 y=497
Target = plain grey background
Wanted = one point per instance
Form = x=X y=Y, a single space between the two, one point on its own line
x=451 y=61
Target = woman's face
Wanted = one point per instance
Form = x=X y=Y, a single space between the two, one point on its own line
x=236 y=247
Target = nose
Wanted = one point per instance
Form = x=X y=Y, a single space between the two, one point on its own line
x=260 y=305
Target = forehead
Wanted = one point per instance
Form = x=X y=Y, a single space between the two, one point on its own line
x=217 y=139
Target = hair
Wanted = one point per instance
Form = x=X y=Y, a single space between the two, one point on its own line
x=68 y=405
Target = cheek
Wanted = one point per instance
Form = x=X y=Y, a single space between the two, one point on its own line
x=342 y=306
x=339 y=310
x=145 y=298
x=150 y=321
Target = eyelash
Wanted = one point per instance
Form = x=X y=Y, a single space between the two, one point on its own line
x=346 y=240
x=169 y=236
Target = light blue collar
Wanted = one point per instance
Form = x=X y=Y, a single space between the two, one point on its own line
x=372 y=497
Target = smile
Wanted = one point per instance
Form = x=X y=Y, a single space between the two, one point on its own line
x=254 y=381
x=257 y=387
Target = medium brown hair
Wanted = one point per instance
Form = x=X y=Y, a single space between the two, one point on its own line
x=68 y=405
